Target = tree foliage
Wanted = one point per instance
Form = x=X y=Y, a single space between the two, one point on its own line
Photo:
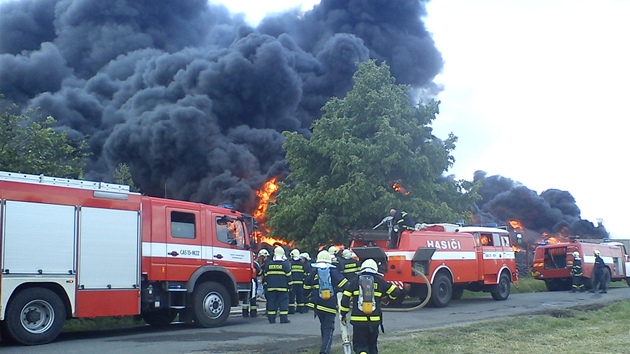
x=122 y=175
x=35 y=147
x=369 y=152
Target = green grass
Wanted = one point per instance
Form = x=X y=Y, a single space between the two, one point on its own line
x=90 y=324
x=587 y=330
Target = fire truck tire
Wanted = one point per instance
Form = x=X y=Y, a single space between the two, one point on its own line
x=211 y=305
x=34 y=316
x=503 y=288
x=442 y=290
x=159 y=318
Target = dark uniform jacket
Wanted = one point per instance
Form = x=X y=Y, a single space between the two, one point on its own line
x=403 y=220
x=576 y=270
x=349 y=267
x=297 y=271
x=311 y=285
x=277 y=275
x=382 y=289
x=599 y=265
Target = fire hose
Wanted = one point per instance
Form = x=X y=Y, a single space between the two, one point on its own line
x=419 y=306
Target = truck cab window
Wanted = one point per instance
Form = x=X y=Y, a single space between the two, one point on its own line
x=230 y=231
x=486 y=240
x=182 y=225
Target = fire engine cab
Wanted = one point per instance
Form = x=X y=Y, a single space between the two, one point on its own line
x=76 y=249
x=553 y=262
x=452 y=258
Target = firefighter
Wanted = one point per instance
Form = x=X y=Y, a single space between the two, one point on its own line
x=277 y=280
x=306 y=261
x=250 y=307
x=401 y=221
x=263 y=257
x=598 y=273
x=333 y=250
x=576 y=273
x=365 y=292
x=321 y=285
x=348 y=265
x=296 y=295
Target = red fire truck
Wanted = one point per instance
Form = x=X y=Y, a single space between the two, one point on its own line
x=77 y=249
x=553 y=263
x=453 y=259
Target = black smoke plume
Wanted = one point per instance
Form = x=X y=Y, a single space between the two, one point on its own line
x=193 y=99
x=553 y=212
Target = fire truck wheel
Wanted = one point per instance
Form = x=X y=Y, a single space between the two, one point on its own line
x=211 y=305
x=503 y=288
x=34 y=316
x=159 y=318
x=442 y=290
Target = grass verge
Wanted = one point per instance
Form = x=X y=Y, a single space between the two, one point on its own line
x=594 y=329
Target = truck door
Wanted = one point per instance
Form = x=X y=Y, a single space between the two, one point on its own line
x=491 y=256
x=183 y=243
x=231 y=246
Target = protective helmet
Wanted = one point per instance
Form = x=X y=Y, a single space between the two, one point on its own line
x=576 y=254
x=332 y=250
x=370 y=266
x=278 y=251
x=347 y=254
x=305 y=256
x=295 y=253
x=596 y=252
x=324 y=257
x=263 y=252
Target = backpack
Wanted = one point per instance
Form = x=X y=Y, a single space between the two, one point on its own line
x=366 y=301
x=325 y=284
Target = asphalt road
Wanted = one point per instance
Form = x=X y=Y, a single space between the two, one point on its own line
x=247 y=335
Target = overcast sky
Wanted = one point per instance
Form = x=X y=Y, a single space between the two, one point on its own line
x=535 y=92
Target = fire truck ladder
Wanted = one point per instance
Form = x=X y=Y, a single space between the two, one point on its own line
x=106 y=189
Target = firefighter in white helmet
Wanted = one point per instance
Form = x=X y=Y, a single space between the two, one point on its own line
x=321 y=285
x=297 y=302
x=348 y=265
x=365 y=293
x=576 y=273
x=277 y=280
x=598 y=273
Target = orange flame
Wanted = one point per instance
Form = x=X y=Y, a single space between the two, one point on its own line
x=266 y=195
x=397 y=186
x=516 y=224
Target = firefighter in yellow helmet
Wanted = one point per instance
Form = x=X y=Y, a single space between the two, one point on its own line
x=598 y=273
x=277 y=280
x=576 y=273
x=321 y=285
x=365 y=293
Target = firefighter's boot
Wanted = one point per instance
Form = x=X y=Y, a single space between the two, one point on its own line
x=245 y=312
x=253 y=313
x=284 y=319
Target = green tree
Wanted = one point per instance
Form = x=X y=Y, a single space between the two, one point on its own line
x=35 y=147
x=369 y=152
x=122 y=175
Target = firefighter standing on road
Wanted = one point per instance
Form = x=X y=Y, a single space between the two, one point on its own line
x=598 y=273
x=296 y=295
x=401 y=221
x=321 y=285
x=250 y=307
x=366 y=292
x=277 y=279
x=576 y=273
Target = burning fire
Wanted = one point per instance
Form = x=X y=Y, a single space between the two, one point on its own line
x=397 y=186
x=516 y=225
x=265 y=195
